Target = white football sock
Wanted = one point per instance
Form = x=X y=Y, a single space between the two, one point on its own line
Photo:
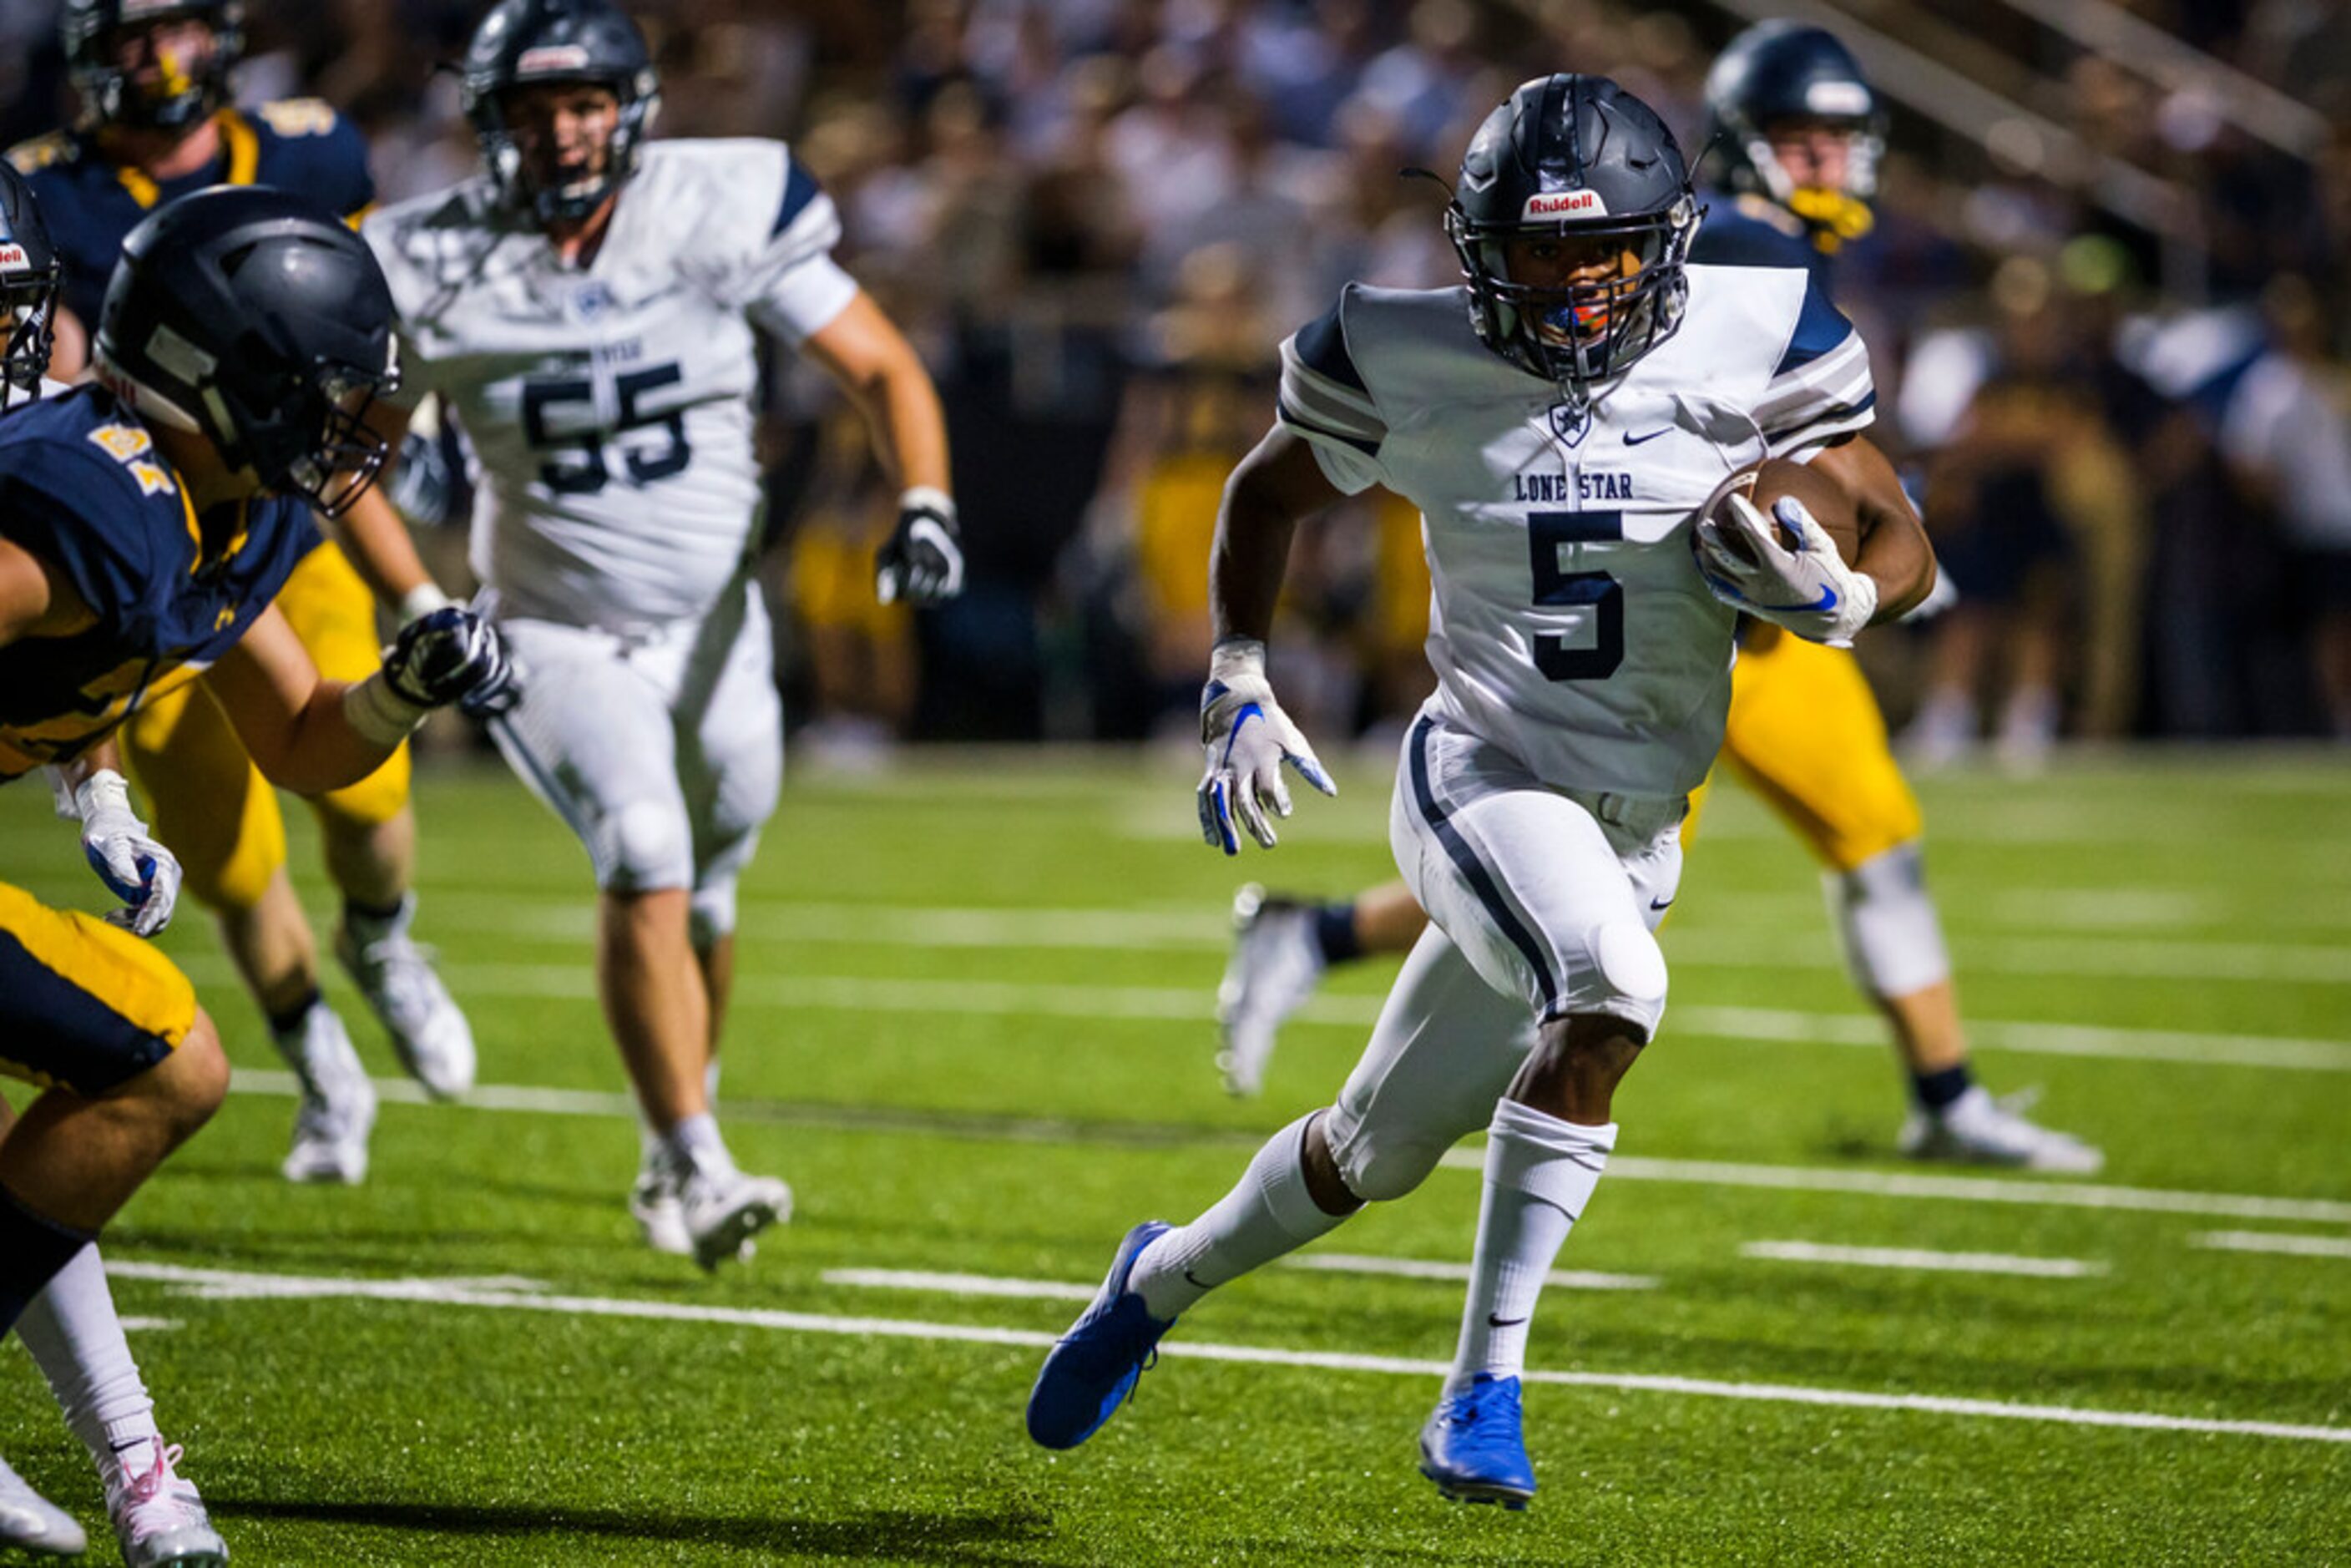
x=1267 y=1213
x=1540 y=1173
x=74 y=1335
x=694 y=1145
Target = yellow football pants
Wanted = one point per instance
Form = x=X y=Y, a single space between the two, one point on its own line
x=208 y=802
x=1805 y=731
x=83 y=1004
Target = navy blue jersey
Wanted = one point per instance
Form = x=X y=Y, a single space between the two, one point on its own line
x=83 y=487
x=90 y=203
x=1749 y=231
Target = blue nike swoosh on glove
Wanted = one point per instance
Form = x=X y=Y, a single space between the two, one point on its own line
x=1246 y=714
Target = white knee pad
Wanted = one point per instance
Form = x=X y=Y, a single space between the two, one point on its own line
x=1631 y=968
x=641 y=847
x=1893 y=939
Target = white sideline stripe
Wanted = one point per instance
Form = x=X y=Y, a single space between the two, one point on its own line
x=1695 y=946
x=227 y=1284
x=959 y=1284
x=1963 y=1189
x=1197 y=1005
x=135 y=1324
x=1432 y=1268
x=1922 y=1258
x=2272 y=1242
x=1630 y=1167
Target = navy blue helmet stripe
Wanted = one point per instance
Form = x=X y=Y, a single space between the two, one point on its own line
x=1321 y=346
x=1820 y=327
x=1290 y=415
x=1475 y=872
x=799 y=189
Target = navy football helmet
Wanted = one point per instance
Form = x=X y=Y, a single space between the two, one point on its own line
x=30 y=276
x=1574 y=157
x=255 y=318
x=524 y=42
x=1780 y=72
x=89 y=30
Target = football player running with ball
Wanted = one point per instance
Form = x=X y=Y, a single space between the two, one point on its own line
x=587 y=307
x=1802 y=132
x=1560 y=422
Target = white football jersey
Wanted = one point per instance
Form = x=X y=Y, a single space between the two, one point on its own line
x=1568 y=622
x=609 y=405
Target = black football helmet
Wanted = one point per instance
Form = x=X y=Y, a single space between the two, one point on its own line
x=255 y=318
x=30 y=276
x=523 y=42
x=90 y=28
x=1779 y=71
x=1575 y=156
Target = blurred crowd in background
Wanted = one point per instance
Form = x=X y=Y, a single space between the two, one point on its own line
x=2107 y=294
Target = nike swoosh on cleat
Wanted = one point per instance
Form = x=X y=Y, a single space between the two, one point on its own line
x=1494 y=1322
x=1633 y=440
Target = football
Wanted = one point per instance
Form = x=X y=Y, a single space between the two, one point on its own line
x=1764 y=482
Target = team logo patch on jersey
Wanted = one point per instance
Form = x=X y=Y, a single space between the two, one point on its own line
x=1570 y=421
x=588 y=302
x=1565 y=205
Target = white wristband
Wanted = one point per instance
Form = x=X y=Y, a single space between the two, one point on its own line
x=927 y=498
x=422 y=601
x=380 y=715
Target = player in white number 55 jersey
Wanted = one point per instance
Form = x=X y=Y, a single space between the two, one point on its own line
x=588 y=306
x=1560 y=423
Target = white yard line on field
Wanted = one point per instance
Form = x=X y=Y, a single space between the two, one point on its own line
x=1922 y=1258
x=1626 y=1167
x=1197 y=1005
x=2272 y=1241
x=226 y=1285
x=960 y=1284
x=1434 y=1268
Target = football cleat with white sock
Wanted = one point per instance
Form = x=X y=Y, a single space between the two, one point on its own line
x=31 y=1523
x=1275 y=966
x=724 y=1209
x=158 y=1517
x=337 y=1109
x=428 y=1031
x=660 y=1212
x=1976 y=1129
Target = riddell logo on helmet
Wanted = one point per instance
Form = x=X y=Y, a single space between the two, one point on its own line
x=1565 y=205
x=552 y=58
x=12 y=257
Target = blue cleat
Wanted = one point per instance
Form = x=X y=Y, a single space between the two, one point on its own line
x=1093 y=1367
x=1471 y=1446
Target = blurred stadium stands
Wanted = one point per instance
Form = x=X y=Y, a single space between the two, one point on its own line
x=2108 y=293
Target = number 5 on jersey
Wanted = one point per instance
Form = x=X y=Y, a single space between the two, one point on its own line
x=1548 y=535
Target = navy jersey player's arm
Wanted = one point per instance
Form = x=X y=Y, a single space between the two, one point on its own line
x=1895 y=550
x=290 y=718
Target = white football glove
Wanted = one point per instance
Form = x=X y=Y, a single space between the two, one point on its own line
x=1809 y=589
x=135 y=868
x=1249 y=738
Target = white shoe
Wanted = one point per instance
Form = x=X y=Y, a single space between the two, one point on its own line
x=660 y=1213
x=1275 y=964
x=431 y=1035
x=338 y=1110
x=1976 y=1129
x=32 y=1521
x=724 y=1209
x=158 y=1516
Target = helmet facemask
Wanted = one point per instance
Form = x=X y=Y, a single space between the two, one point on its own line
x=347 y=454
x=509 y=159
x=28 y=315
x=1580 y=334
x=187 y=90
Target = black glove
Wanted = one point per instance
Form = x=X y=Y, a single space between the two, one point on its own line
x=923 y=560
x=453 y=655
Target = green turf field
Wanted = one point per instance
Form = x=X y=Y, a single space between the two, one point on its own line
x=973 y=1031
